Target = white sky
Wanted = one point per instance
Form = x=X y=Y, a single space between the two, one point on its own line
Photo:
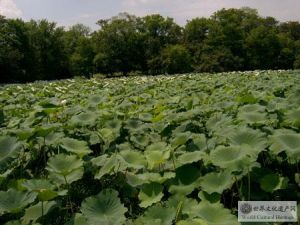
x=69 y=12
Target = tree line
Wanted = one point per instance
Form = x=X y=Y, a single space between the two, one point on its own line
x=231 y=39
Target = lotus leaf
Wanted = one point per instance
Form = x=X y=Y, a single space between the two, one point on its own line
x=104 y=208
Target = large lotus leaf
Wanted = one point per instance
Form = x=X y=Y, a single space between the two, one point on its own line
x=293 y=117
x=133 y=124
x=273 y=182
x=104 y=208
x=150 y=194
x=145 y=178
x=84 y=119
x=288 y=142
x=234 y=158
x=182 y=204
x=110 y=166
x=114 y=125
x=183 y=184
x=200 y=142
x=95 y=99
x=156 y=158
x=13 y=201
x=43 y=188
x=53 y=138
x=190 y=157
x=180 y=139
x=75 y=146
x=252 y=117
x=9 y=148
x=158 y=146
x=140 y=140
x=216 y=182
x=157 y=215
x=134 y=159
x=214 y=214
x=218 y=121
x=147 y=117
x=65 y=168
x=246 y=136
x=33 y=213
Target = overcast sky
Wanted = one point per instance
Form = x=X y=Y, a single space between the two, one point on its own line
x=69 y=12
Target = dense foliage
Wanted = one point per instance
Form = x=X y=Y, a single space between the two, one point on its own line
x=230 y=40
x=148 y=150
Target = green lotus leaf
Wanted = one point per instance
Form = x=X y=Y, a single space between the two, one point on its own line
x=252 y=117
x=15 y=222
x=182 y=205
x=43 y=188
x=273 y=182
x=246 y=136
x=9 y=148
x=104 y=208
x=214 y=214
x=190 y=157
x=183 y=184
x=65 y=168
x=95 y=99
x=100 y=160
x=114 y=125
x=141 y=140
x=200 y=142
x=134 y=159
x=157 y=215
x=145 y=178
x=13 y=201
x=33 y=213
x=216 y=182
x=288 y=142
x=180 y=139
x=159 y=146
x=150 y=194
x=75 y=146
x=293 y=117
x=234 y=158
x=147 y=117
x=84 y=119
x=133 y=124
x=156 y=158
x=111 y=166
x=108 y=135
x=53 y=138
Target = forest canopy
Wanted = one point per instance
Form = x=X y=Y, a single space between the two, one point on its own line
x=229 y=40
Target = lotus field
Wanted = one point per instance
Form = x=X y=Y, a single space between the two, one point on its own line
x=163 y=150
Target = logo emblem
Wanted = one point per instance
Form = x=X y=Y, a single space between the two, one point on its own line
x=246 y=208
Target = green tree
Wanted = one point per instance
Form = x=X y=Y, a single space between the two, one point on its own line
x=176 y=59
x=157 y=32
x=118 y=45
x=79 y=49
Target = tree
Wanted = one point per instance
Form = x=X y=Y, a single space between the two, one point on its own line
x=176 y=59
x=79 y=49
x=157 y=33
x=49 y=53
x=117 y=45
x=263 y=48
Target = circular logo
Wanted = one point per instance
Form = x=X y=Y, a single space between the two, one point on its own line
x=246 y=208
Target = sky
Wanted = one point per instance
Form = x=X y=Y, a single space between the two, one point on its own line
x=70 y=12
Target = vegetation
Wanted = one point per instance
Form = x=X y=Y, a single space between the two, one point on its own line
x=159 y=150
x=230 y=40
